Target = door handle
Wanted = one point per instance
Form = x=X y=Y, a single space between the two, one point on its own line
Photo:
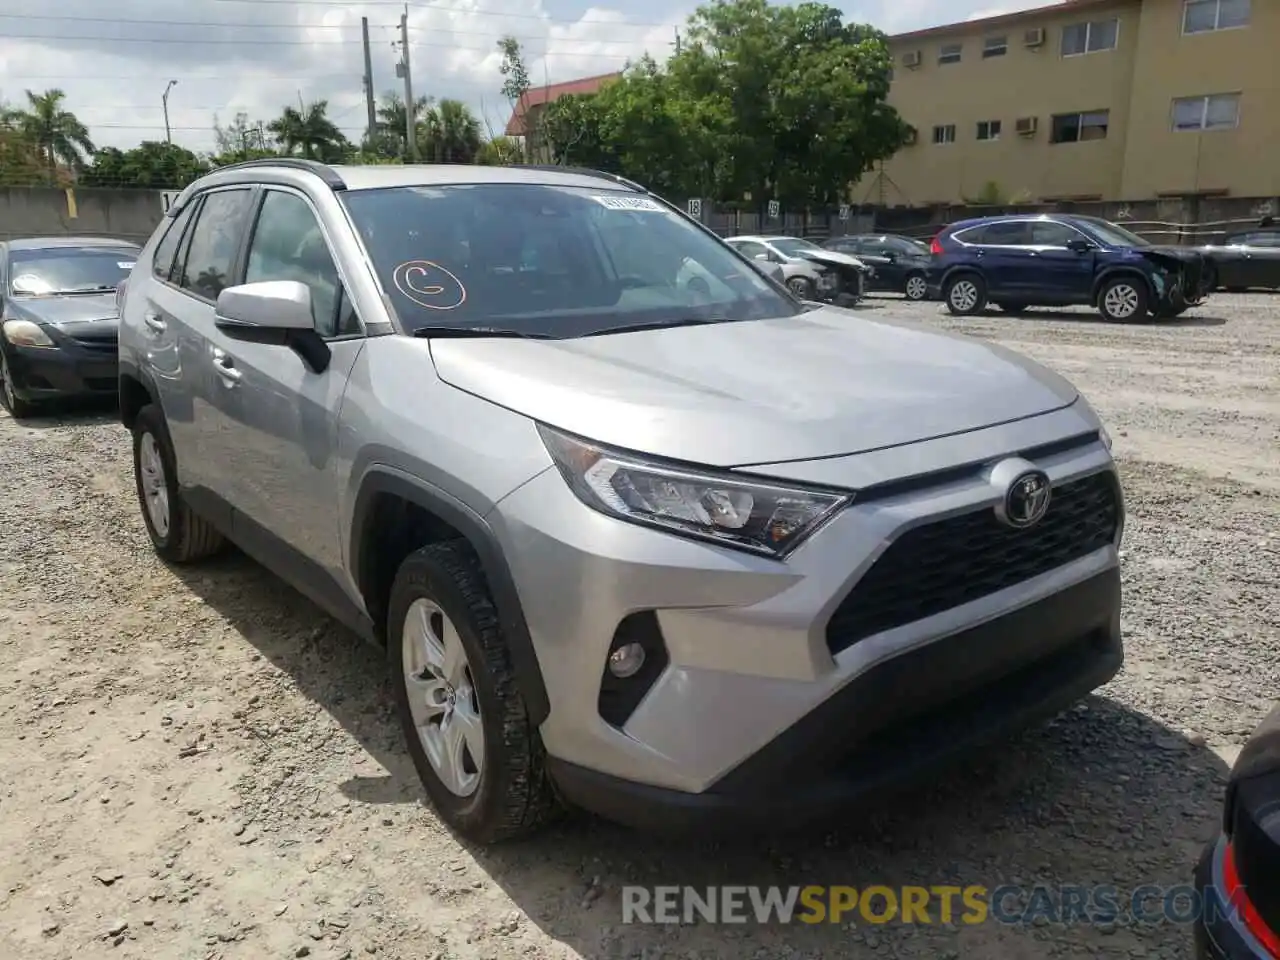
x=226 y=366
x=153 y=320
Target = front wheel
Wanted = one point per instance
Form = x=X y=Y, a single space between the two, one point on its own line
x=916 y=288
x=468 y=732
x=17 y=407
x=965 y=295
x=802 y=287
x=1124 y=300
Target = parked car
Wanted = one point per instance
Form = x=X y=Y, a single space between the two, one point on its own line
x=1056 y=260
x=809 y=271
x=58 y=337
x=1245 y=260
x=527 y=484
x=1238 y=878
x=899 y=263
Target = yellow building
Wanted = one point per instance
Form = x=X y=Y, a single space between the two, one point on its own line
x=1089 y=100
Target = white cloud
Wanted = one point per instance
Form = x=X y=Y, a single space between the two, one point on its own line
x=255 y=56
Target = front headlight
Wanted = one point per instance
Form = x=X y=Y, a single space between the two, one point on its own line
x=24 y=333
x=749 y=515
x=1106 y=437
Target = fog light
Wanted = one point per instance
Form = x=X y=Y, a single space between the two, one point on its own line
x=626 y=661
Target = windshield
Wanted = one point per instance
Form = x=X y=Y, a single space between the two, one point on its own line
x=52 y=271
x=792 y=247
x=1111 y=234
x=551 y=261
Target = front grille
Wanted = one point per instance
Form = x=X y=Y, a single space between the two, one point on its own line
x=937 y=566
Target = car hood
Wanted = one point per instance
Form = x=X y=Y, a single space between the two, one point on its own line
x=833 y=258
x=824 y=383
x=72 y=314
x=1184 y=254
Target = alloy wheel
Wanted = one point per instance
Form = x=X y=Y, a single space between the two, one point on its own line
x=155 y=486
x=442 y=697
x=964 y=295
x=916 y=288
x=1121 y=301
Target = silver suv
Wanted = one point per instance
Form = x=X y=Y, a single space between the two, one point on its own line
x=680 y=554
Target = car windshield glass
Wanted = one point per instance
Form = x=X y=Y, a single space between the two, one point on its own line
x=549 y=260
x=60 y=270
x=793 y=247
x=1111 y=234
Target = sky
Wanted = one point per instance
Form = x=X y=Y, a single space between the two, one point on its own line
x=115 y=59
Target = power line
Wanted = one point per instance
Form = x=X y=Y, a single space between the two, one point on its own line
x=425 y=5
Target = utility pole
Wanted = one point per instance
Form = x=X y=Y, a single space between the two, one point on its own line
x=368 y=80
x=402 y=68
x=677 y=30
x=168 y=135
x=301 y=106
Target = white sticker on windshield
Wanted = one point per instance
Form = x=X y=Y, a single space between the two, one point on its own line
x=125 y=264
x=631 y=203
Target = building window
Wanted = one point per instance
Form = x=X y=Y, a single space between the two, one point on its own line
x=995 y=47
x=1203 y=16
x=1219 y=111
x=944 y=134
x=988 y=129
x=950 y=53
x=1074 y=127
x=1090 y=37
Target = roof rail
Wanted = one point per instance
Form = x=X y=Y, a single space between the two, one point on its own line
x=321 y=170
x=581 y=172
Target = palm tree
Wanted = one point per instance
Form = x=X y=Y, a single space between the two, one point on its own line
x=392 y=121
x=451 y=132
x=311 y=129
x=58 y=134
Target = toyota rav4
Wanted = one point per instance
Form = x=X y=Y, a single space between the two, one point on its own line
x=682 y=555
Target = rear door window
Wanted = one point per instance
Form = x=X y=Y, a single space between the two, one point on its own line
x=1011 y=233
x=215 y=242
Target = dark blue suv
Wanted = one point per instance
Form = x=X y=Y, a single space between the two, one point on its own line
x=1055 y=260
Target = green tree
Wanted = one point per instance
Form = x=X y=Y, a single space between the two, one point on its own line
x=514 y=87
x=159 y=166
x=572 y=131
x=242 y=139
x=499 y=151
x=392 y=122
x=311 y=131
x=449 y=133
x=58 y=134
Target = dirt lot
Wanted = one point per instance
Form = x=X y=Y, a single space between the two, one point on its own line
x=198 y=764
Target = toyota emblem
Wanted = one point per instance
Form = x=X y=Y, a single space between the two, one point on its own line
x=1026 y=500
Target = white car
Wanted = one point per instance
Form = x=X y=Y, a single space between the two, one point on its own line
x=809 y=271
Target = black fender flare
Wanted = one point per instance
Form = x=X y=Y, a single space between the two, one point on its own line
x=1123 y=271
x=128 y=370
x=484 y=541
x=952 y=271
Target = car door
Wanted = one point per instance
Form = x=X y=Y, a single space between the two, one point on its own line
x=883 y=259
x=1003 y=252
x=1261 y=267
x=1231 y=261
x=1062 y=275
x=276 y=416
x=178 y=319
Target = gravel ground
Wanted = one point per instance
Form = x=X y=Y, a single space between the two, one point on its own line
x=198 y=764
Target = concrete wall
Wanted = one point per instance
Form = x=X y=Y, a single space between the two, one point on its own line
x=93 y=212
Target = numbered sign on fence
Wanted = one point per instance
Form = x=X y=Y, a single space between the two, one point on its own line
x=167 y=198
x=695 y=208
x=844 y=211
x=774 y=209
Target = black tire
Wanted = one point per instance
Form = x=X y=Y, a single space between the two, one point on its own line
x=914 y=286
x=802 y=287
x=1129 y=290
x=9 y=399
x=1013 y=307
x=965 y=294
x=515 y=796
x=189 y=536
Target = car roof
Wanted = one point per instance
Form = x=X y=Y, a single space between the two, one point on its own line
x=760 y=238
x=1013 y=218
x=51 y=243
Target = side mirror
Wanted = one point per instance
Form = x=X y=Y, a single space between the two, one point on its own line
x=1079 y=246
x=276 y=312
x=890 y=256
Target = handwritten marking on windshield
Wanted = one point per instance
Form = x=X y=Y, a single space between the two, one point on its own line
x=429 y=285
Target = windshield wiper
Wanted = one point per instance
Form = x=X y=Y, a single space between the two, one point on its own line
x=478 y=332
x=659 y=325
x=100 y=288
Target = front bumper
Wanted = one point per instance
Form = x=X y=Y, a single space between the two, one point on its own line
x=67 y=370
x=750 y=649
x=894 y=724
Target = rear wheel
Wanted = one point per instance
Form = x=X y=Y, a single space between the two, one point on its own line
x=17 y=407
x=178 y=533
x=965 y=294
x=1124 y=300
x=916 y=288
